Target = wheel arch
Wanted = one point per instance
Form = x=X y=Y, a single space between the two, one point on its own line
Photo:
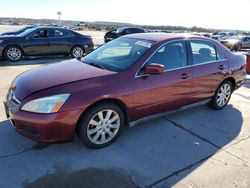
x=9 y=45
x=232 y=80
x=115 y=101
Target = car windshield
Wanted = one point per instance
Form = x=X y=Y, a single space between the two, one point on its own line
x=119 y=30
x=24 y=29
x=26 y=32
x=118 y=55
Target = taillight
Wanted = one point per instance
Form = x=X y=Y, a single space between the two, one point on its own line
x=90 y=39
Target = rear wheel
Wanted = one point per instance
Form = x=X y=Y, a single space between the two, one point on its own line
x=101 y=125
x=13 y=53
x=237 y=47
x=222 y=95
x=77 y=52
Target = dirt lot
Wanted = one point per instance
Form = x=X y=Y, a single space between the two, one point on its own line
x=199 y=147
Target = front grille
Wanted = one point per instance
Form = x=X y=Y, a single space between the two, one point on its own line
x=12 y=101
x=13 y=104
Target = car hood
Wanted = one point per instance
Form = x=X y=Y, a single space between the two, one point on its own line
x=54 y=75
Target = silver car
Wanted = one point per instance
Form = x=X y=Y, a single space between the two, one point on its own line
x=237 y=43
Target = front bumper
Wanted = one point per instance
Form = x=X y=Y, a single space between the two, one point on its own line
x=47 y=128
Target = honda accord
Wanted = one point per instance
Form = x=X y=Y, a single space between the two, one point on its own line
x=128 y=80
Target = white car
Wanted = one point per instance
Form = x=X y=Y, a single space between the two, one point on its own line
x=223 y=35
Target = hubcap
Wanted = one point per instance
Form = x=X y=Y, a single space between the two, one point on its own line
x=223 y=95
x=14 y=54
x=103 y=126
x=77 y=52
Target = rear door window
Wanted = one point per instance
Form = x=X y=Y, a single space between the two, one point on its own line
x=204 y=52
x=55 y=33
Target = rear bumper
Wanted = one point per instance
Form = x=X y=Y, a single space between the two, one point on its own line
x=1 y=51
x=248 y=64
x=89 y=48
x=47 y=128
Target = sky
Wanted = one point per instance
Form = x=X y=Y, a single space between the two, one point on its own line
x=217 y=14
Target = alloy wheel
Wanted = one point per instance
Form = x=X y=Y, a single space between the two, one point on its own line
x=103 y=127
x=14 y=54
x=77 y=52
x=223 y=95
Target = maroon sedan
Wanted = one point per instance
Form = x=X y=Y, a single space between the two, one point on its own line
x=126 y=80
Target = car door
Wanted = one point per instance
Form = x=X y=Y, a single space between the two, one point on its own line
x=60 y=41
x=209 y=68
x=37 y=43
x=245 y=42
x=156 y=93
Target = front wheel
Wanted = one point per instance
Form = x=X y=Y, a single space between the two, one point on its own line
x=101 y=125
x=77 y=52
x=222 y=95
x=13 y=53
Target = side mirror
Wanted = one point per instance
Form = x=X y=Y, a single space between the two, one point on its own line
x=154 y=68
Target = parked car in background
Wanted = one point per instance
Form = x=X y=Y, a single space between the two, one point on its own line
x=45 y=41
x=223 y=35
x=19 y=31
x=237 y=43
x=120 y=83
x=113 y=34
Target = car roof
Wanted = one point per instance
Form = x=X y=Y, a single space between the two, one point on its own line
x=157 y=37
x=49 y=27
x=130 y=28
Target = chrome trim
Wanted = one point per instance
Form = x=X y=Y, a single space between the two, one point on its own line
x=185 y=40
x=16 y=99
x=11 y=122
x=11 y=96
x=154 y=116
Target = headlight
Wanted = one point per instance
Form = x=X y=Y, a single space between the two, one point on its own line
x=46 y=105
x=1 y=41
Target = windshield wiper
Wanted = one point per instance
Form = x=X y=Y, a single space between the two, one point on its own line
x=97 y=65
x=94 y=64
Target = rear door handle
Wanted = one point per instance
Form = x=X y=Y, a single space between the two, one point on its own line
x=185 y=76
x=221 y=67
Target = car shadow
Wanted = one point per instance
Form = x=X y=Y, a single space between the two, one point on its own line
x=37 y=60
x=149 y=153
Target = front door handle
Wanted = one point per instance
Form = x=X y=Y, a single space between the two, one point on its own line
x=185 y=76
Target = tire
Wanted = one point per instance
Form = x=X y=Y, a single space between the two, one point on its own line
x=77 y=52
x=222 y=95
x=13 y=53
x=101 y=125
x=237 y=47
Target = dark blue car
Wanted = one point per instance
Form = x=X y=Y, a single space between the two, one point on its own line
x=43 y=40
